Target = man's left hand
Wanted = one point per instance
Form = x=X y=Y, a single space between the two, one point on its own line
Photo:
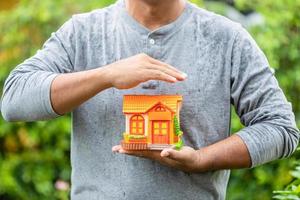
x=186 y=159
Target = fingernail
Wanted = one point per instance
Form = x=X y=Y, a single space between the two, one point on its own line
x=165 y=154
x=184 y=74
x=174 y=79
x=114 y=148
x=121 y=151
x=115 y=151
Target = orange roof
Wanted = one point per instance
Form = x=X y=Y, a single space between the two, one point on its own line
x=142 y=103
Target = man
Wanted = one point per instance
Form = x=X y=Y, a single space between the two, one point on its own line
x=95 y=58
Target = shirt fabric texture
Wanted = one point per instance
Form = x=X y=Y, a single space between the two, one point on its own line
x=224 y=66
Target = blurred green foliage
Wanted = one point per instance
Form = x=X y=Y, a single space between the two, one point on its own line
x=279 y=37
x=34 y=157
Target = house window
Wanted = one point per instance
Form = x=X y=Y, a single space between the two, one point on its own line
x=160 y=109
x=137 y=125
x=160 y=128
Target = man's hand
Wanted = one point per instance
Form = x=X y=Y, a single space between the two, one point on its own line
x=130 y=72
x=230 y=153
x=187 y=159
x=69 y=90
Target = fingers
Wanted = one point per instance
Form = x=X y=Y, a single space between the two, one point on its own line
x=173 y=154
x=153 y=155
x=174 y=73
x=158 y=156
x=171 y=163
x=163 y=65
x=116 y=148
x=166 y=153
x=119 y=149
x=145 y=154
x=153 y=74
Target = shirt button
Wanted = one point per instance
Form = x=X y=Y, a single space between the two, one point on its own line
x=152 y=41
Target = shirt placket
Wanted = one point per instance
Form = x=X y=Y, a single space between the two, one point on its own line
x=153 y=43
x=152 y=47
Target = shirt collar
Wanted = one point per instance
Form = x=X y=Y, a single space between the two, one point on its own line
x=164 y=30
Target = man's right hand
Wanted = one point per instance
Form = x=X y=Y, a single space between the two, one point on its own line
x=130 y=72
x=70 y=90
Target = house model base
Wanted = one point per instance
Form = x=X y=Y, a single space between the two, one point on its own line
x=151 y=121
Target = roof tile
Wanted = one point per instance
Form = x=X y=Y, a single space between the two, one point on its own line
x=142 y=103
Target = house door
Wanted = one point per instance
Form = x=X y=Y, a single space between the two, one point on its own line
x=160 y=132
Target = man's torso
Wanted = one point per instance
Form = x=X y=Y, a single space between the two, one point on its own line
x=198 y=43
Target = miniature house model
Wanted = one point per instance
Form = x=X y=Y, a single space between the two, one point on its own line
x=150 y=121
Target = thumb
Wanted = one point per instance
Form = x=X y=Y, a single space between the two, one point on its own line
x=172 y=154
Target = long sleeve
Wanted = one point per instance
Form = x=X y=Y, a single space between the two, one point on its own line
x=26 y=93
x=270 y=131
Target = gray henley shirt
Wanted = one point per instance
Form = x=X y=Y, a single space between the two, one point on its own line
x=224 y=65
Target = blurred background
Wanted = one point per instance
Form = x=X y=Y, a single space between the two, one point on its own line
x=34 y=157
